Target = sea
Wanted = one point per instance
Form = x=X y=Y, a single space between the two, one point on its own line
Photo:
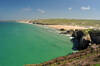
x=22 y=44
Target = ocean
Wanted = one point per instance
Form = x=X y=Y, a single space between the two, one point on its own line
x=30 y=44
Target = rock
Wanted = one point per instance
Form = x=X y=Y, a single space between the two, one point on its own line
x=83 y=44
x=95 y=36
x=78 y=34
x=62 y=29
x=70 y=32
x=79 y=41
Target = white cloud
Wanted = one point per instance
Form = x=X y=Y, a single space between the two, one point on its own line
x=41 y=11
x=85 y=8
x=69 y=9
x=27 y=9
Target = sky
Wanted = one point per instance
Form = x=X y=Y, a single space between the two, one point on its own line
x=33 y=9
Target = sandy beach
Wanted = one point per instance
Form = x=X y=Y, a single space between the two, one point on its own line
x=24 y=21
x=66 y=27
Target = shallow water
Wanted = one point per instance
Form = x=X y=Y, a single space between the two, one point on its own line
x=30 y=44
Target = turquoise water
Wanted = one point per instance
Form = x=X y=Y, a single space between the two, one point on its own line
x=30 y=44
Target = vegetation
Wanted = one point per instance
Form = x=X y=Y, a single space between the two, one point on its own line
x=70 y=22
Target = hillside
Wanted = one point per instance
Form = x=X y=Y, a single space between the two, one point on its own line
x=95 y=23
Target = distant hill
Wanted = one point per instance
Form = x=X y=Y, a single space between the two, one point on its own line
x=70 y=22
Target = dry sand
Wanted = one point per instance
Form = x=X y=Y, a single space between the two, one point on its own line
x=67 y=27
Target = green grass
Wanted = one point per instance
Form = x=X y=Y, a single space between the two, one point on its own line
x=70 y=22
x=96 y=65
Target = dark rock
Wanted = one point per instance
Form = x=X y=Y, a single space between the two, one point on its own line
x=62 y=29
x=67 y=32
x=95 y=36
x=79 y=43
x=83 y=44
x=78 y=34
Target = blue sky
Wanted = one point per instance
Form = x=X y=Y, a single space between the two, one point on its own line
x=28 y=9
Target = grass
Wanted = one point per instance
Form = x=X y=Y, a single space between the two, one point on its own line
x=96 y=65
x=70 y=22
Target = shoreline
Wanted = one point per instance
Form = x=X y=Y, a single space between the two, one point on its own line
x=87 y=50
x=66 y=27
x=57 y=27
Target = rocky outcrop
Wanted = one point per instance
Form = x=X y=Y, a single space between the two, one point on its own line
x=67 y=32
x=83 y=38
x=62 y=29
x=79 y=40
x=39 y=23
x=95 y=36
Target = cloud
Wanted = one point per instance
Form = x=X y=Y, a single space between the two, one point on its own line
x=69 y=9
x=41 y=11
x=85 y=8
x=27 y=9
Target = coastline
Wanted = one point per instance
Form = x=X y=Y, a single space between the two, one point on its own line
x=57 y=28
x=66 y=27
x=23 y=21
x=62 y=59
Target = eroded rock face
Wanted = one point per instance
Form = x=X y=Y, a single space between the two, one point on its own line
x=78 y=34
x=95 y=36
x=79 y=42
x=81 y=39
x=83 y=44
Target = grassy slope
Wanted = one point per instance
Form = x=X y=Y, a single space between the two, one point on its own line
x=70 y=22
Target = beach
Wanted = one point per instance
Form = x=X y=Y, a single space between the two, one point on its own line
x=66 y=27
